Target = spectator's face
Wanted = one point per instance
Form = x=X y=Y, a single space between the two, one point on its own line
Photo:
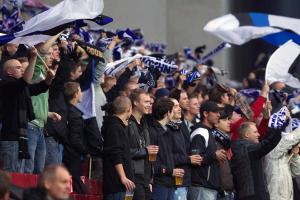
x=130 y=87
x=11 y=48
x=60 y=187
x=194 y=106
x=56 y=52
x=212 y=117
x=15 y=70
x=176 y=110
x=252 y=134
x=225 y=99
x=129 y=112
x=76 y=74
x=200 y=98
x=144 y=104
x=49 y=57
x=79 y=95
x=151 y=104
x=224 y=125
x=184 y=101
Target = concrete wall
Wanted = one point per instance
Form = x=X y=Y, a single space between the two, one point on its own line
x=178 y=23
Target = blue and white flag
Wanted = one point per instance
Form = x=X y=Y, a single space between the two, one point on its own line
x=284 y=65
x=243 y=27
x=48 y=23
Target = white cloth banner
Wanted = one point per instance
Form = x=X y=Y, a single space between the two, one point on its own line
x=279 y=63
x=64 y=12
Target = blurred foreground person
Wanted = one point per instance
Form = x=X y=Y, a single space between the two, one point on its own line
x=54 y=184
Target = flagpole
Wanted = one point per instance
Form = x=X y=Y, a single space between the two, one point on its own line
x=45 y=65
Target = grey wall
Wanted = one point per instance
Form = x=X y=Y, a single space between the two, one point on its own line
x=178 y=23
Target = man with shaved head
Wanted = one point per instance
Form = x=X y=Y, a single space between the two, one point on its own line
x=117 y=171
x=17 y=110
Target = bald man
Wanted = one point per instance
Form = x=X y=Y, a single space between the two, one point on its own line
x=17 y=110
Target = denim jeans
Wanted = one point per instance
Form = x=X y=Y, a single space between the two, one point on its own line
x=115 y=196
x=162 y=193
x=54 y=151
x=9 y=156
x=200 y=193
x=180 y=193
x=36 y=149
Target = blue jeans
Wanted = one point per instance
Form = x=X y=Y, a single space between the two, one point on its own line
x=200 y=193
x=162 y=193
x=9 y=156
x=54 y=151
x=180 y=193
x=36 y=149
x=115 y=196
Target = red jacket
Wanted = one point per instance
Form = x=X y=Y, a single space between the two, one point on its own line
x=256 y=107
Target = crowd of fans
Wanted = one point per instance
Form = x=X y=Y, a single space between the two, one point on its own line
x=172 y=140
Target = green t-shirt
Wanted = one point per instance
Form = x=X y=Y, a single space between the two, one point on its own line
x=40 y=102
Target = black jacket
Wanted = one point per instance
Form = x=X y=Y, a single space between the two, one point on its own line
x=164 y=165
x=139 y=140
x=15 y=96
x=76 y=144
x=116 y=150
x=181 y=150
x=208 y=174
x=247 y=166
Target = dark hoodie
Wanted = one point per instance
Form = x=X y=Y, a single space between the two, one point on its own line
x=181 y=151
x=164 y=165
x=116 y=150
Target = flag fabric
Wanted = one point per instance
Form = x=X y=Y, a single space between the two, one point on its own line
x=243 y=27
x=163 y=65
x=114 y=67
x=284 y=65
x=48 y=23
x=11 y=21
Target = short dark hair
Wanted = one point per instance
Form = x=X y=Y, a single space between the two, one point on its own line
x=216 y=95
x=135 y=95
x=161 y=107
x=70 y=89
x=120 y=105
x=4 y=183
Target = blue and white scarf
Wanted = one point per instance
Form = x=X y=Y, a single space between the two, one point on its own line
x=278 y=119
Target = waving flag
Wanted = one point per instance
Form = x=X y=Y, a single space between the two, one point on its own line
x=11 y=20
x=284 y=65
x=243 y=27
x=54 y=20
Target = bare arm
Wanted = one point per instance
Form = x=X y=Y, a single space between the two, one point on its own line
x=44 y=48
x=30 y=69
